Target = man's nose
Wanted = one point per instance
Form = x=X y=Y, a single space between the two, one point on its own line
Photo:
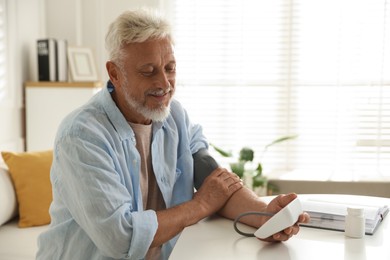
x=164 y=82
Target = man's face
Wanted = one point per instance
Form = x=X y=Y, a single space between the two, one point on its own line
x=146 y=81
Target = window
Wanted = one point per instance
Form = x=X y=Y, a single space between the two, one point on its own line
x=3 y=53
x=251 y=71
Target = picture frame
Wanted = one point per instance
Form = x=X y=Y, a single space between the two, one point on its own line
x=82 y=64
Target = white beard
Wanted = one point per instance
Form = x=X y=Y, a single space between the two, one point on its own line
x=156 y=115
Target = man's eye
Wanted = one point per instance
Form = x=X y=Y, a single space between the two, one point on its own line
x=171 y=69
x=147 y=73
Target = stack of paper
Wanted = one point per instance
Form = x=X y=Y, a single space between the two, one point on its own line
x=331 y=214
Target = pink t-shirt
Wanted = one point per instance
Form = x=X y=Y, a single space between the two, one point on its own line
x=151 y=194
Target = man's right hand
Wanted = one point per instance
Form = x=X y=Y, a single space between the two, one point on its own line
x=216 y=189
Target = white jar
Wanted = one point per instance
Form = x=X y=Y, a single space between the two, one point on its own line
x=355 y=223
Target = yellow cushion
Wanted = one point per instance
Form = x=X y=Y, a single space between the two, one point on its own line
x=30 y=174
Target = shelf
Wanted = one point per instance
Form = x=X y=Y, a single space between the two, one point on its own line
x=50 y=84
x=47 y=104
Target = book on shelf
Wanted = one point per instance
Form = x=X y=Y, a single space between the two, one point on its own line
x=47 y=59
x=62 y=60
x=330 y=214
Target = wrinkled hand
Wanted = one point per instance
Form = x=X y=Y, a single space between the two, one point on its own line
x=276 y=205
x=216 y=189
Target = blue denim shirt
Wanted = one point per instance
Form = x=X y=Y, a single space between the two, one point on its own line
x=97 y=210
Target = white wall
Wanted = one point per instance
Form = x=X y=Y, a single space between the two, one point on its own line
x=85 y=22
x=81 y=22
x=24 y=25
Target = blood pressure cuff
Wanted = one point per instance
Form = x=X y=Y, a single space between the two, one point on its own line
x=204 y=164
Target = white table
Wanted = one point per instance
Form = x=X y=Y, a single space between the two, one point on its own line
x=214 y=238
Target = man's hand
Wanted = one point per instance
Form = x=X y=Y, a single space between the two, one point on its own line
x=276 y=205
x=216 y=189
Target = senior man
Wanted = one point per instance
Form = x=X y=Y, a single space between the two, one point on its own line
x=127 y=162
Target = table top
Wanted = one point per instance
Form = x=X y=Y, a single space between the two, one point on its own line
x=215 y=238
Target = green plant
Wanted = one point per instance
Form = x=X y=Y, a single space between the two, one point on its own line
x=246 y=154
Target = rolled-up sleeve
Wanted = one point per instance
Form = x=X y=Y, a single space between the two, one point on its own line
x=102 y=198
x=143 y=224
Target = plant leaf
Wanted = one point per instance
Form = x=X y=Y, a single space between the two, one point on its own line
x=259 y=181
x=221 y=151
x=238 y=168
x=259 y=169
x=246 y=154
x=279 y=140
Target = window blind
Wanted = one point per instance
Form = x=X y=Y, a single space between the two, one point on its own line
x=3 y=53
x=251 y=71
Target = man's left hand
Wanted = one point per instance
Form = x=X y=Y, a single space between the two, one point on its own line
x=275 y=206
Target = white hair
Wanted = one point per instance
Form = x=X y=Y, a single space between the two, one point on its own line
x=135 y=26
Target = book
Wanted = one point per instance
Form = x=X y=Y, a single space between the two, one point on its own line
x=47 y=59
x=330 y=214
x=62 y=61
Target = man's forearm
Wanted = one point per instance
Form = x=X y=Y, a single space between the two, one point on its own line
x=173 y=220
x=215 y=191
x=243 y=200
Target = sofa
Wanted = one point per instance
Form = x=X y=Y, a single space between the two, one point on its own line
x=24 y=203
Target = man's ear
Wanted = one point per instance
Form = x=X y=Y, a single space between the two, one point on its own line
x=113 y=72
